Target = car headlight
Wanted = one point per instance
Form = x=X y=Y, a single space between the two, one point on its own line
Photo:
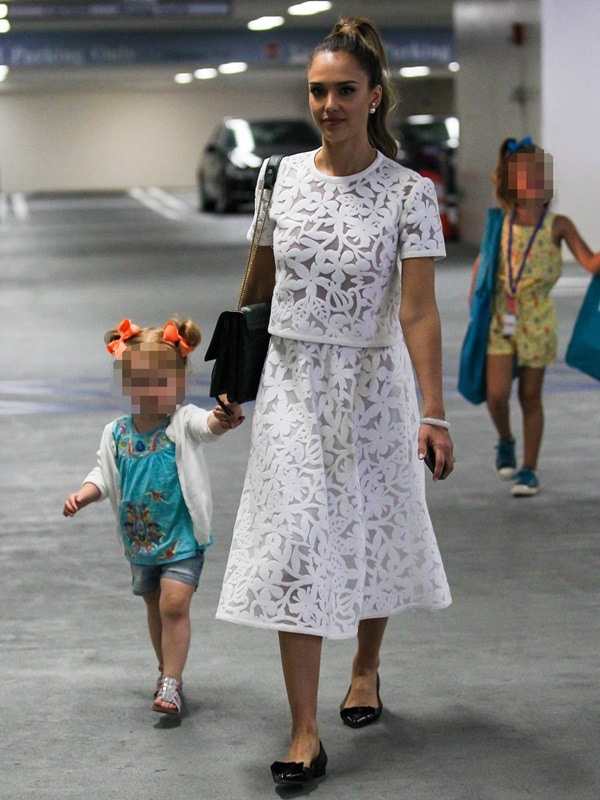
x=244 y=159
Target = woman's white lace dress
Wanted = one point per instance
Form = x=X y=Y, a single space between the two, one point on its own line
x=333 y=526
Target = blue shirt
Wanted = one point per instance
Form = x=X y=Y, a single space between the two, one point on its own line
x=154 y=520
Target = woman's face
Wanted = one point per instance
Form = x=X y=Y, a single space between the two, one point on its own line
x=340 y=97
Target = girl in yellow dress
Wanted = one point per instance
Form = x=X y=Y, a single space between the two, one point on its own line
x=523 y=327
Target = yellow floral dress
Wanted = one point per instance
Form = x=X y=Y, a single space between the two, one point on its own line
x=535 y=340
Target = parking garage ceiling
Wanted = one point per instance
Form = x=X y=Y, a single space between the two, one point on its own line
x=232 y=14
x=45 y=20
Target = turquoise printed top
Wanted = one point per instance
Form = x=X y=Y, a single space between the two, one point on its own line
x=155 y=523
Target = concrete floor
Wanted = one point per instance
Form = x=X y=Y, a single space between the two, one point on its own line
x=495 y=698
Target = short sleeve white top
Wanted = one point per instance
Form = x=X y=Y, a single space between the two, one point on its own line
x=338 y=243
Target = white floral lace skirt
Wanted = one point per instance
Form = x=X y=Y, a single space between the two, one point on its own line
x=332 y=526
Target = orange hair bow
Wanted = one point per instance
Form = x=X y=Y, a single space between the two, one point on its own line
x=126 y=329
x=172 y=336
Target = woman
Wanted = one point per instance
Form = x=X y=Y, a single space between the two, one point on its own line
x=333 y=534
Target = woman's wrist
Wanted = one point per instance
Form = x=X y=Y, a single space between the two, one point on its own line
x=437 y=421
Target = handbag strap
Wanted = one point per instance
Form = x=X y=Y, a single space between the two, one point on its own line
x=268 y=184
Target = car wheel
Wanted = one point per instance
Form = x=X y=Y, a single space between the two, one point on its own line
x=204 y=203
x=223 y=204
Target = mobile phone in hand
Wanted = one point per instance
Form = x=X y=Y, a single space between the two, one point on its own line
x=430 y=458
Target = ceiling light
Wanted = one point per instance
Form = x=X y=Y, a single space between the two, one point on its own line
x=3 y=10
x=232 y=67
x=4 y=26
x=265 y=23
x=3 y=72
x=205 y=73
x=454 y=66
x=414 y=72
x=305 y=9
x=184 y=77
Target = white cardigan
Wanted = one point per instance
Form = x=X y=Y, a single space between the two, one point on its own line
x=188 y=429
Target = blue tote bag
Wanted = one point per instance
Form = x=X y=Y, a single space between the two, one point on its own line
x=583 y=351
x=471 y=369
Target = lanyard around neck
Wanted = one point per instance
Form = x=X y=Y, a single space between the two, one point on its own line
x=513 y=281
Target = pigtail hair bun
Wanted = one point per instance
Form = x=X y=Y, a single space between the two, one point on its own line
x=189 y=331
x=111 y=336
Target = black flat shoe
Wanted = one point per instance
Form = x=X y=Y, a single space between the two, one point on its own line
x=293 y=772
x=359 y=716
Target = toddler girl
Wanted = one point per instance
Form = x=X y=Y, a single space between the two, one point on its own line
x=151 y=466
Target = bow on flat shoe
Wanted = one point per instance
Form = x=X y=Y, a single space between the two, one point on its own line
x=359 y=716
x=294 y=772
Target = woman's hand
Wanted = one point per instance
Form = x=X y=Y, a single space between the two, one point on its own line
x=439 y=439
x=420 y=322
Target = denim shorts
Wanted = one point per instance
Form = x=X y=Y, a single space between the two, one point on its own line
x=145 y=579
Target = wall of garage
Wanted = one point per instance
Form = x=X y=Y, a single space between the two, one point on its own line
x=113 y=139
x=536 y=78
x=498 y=94
x=571 y=109
x=78 y=140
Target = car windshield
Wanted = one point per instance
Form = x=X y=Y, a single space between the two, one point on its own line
x=424 y=134
x=273 y=133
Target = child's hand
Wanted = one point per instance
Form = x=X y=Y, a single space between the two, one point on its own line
x=88 y=493
x=229 y=421
x=72 y=505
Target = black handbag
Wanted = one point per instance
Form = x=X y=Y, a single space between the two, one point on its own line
x=241 y=338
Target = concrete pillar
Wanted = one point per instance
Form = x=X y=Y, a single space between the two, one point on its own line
x=571 y=109
x=497 y=93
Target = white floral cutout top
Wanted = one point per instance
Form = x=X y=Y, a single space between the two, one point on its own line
x=338 y=243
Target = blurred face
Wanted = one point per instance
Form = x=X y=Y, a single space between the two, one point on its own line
x=153 y=378
x=340 y=97
x=529 y=178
